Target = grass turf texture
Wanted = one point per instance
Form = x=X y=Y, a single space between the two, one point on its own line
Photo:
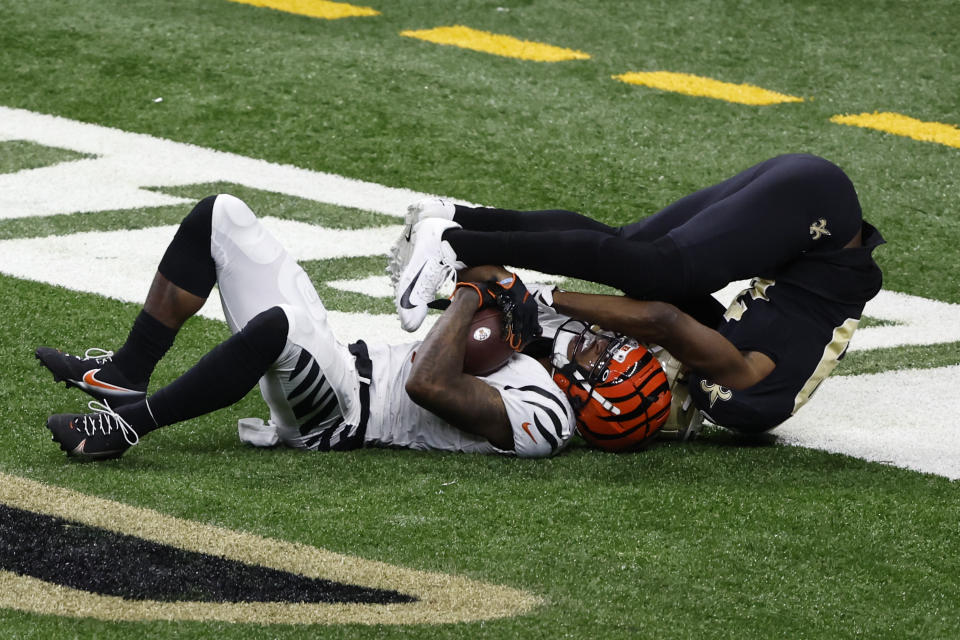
x=713 y=539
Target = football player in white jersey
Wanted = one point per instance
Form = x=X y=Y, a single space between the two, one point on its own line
x=322 y=395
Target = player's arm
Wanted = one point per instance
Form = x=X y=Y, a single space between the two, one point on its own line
x=699 y=347
x=437 y=381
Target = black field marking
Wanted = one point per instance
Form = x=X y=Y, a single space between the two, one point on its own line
x=100 y=561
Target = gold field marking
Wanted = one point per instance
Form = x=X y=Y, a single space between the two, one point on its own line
x=314 y=8
x=498 y=45
x=692 y=85
x=442 y=598
x=901 y=125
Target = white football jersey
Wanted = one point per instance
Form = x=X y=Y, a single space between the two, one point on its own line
x=542 y=418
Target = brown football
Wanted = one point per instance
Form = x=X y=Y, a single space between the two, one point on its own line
x=486 y=350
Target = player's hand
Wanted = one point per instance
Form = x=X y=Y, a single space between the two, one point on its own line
x=520 y=310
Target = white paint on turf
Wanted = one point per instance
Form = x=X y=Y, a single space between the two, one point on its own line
x=875 y=417
x=905 y=418
x=127 y=162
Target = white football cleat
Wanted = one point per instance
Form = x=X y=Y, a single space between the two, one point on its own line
x=401 y=249
x=432 y=263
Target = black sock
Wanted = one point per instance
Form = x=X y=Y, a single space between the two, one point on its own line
x=148 y=341
x=219 y=379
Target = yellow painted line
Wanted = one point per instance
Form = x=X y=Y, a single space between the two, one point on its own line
x=442 y=598
x=902 y=125
x=314 y=8
x=498 y=45
x=692 y=85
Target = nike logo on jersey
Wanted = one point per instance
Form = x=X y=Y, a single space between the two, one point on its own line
x=90 y=379
x=405 y=298
x=407 y=231
x=526 y=427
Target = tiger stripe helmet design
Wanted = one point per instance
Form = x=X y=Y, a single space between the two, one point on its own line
x=619 y=391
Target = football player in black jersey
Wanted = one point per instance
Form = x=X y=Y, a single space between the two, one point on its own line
x=792 y=223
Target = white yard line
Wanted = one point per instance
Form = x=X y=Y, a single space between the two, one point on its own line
x=905 y=418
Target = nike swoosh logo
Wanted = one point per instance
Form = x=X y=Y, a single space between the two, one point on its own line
x=90 y=378
x=407 y=232
x=526 y=427
x=80 y=451
x=405 y=298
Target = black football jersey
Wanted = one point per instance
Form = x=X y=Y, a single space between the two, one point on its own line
x=802 y=316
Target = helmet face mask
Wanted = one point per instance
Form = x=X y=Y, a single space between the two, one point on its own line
x=618 y=390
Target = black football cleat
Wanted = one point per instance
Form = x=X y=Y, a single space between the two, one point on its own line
x=94 y=373
x=100 y=435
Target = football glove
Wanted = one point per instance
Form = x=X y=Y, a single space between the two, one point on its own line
x=520 y=310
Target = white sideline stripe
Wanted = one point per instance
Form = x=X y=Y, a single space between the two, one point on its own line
x=905 y=418
x=127 y=162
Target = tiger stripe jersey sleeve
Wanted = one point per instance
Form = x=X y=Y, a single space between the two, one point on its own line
x=540 y=415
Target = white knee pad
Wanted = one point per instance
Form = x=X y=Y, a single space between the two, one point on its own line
x=233 y=219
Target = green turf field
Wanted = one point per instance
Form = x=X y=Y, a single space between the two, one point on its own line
x=715 y=539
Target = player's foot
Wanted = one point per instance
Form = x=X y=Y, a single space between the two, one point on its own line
x=401 y=249
x=100 y=435
x=94 y=373
x=431 y=264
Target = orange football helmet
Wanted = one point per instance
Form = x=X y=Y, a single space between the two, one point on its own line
x=618 y=389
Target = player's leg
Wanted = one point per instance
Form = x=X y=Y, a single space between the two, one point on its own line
x=313 y=385
x=791 y=206
x=221 y=377
x=281 y=339
x=683 y=210
x=759 y=220
x=183 y=281
x=482 y=219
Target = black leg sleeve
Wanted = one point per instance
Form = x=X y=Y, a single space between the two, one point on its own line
x=187 y=262
x=489 y=219
x=219 y=379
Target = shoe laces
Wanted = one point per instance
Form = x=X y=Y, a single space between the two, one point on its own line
x=438 y=278
x=101 y=356
x=104 y=420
